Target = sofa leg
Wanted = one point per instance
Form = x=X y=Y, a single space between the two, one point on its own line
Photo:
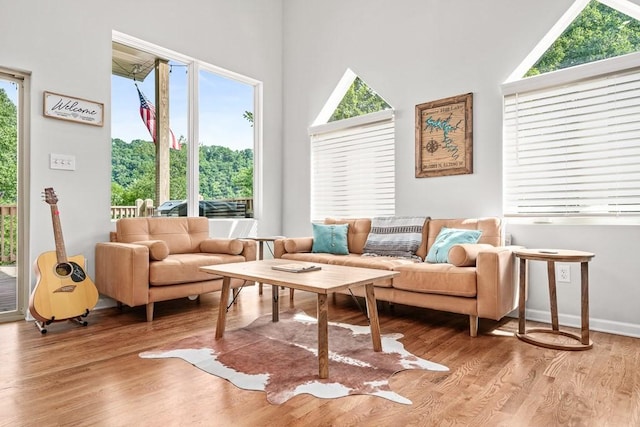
x=473 y=325
x=149 y=312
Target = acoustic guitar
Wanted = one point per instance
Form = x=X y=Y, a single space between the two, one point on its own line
x=63 y=289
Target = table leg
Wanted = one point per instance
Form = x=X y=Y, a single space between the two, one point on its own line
x=584 y=273
x=260 y=257
x=372 y=307
x=222 y=308
x=275 y=303
x=553 y=298
x=522 y=296
x=323 y=336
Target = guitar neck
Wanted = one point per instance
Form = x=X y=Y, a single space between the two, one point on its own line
x=61 y=253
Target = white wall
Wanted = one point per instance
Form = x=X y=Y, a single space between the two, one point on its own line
x=66 y=45
x=415 y=51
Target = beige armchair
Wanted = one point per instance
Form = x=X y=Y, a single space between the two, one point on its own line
x=159 y=259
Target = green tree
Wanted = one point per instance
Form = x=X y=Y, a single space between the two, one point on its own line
x=359 y=99
x=224 y=173
x=8 y=149
x=178 y=168
x=598 y=32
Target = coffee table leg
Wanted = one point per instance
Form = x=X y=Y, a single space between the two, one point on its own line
x=275 y=303
x=522 y=296
x=372 y=307
x=323 y=337
x=222 y=309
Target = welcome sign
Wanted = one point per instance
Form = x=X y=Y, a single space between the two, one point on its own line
x=73 y=109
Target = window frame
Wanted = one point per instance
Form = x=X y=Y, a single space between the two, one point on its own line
x=568 y=76
x=193 y=67
x=348 y=125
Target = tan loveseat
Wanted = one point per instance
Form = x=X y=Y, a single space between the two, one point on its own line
x=158 y=259
x=482 y=283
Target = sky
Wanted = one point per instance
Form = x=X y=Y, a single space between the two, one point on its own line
x=222 y=104
x=10 y=89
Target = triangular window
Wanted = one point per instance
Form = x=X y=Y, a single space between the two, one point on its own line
x=598 y=32
x=359 y=100
x=352 y=97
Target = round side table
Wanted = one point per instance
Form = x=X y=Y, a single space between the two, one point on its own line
x=551 y=256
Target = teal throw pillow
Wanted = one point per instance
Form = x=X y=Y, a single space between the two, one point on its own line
x=331 y=239
x=439 y=251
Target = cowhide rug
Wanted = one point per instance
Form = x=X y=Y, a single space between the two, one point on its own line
x=282 y=358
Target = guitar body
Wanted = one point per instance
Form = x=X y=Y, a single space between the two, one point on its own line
x=63 y=290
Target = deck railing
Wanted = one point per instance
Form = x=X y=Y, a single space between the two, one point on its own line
x=8 y=233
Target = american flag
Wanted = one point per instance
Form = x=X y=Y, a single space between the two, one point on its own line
x=148 y=114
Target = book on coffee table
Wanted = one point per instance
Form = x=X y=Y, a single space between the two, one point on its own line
x=296 y=268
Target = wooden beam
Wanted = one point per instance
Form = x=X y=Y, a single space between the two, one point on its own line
x=162 y=132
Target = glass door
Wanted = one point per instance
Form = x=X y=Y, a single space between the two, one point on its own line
x=13 y=294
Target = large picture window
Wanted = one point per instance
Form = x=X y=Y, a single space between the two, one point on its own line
x=210 y=133
x=572 y=142
x=353 y=167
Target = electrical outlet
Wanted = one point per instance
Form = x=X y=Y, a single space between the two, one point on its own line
x=563 y=273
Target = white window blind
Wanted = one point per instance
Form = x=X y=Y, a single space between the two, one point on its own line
x=574 y=149
x=353 y=167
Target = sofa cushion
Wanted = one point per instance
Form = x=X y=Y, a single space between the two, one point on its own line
x=158 y=249
x=395 y=236
x=491 y=230
x=445 y=279
x=465 y=254
x=185 y=268
x=447 y=237
x=330 y=239
x=353 y=260
x=357 y=234
x=222 y=246
x=323 y=258
x=181 y=234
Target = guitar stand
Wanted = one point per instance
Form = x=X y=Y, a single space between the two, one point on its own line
x=42 y=326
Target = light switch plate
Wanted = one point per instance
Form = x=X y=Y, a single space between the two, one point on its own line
x=62 y=161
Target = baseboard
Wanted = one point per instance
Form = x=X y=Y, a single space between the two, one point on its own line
x=600 y=325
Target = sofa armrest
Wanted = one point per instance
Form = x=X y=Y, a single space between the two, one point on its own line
x=249 y=249
x=292 y=245
x=497 y=283
x=122 y=272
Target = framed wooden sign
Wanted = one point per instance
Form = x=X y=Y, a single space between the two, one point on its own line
x=79 y=110
x=444 y=137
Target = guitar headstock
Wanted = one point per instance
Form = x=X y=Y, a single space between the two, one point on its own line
x=50 y=196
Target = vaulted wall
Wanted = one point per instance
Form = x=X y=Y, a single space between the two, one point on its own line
x=417 y=51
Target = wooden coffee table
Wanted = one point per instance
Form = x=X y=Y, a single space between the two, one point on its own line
x=329 y=279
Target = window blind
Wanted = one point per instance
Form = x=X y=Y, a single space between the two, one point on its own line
x=353 y=167
x=574 y=149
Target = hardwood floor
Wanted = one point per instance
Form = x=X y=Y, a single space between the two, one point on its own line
x=92 y=375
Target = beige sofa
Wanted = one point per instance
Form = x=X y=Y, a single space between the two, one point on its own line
x=158 y=259
x=481 y=282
